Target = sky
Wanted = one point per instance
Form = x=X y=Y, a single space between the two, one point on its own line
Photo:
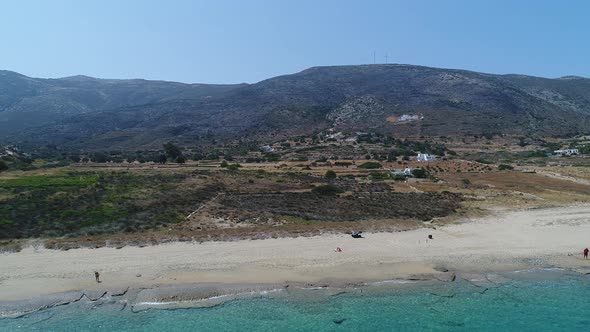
x=220 y=41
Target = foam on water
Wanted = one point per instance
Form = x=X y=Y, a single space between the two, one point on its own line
x=553 y=304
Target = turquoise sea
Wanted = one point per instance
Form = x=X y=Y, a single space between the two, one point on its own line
x=535 y=304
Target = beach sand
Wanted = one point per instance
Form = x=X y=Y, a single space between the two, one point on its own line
x=501 y=242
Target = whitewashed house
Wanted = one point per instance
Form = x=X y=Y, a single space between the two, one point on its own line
x=425 y=157
x=405 y=172
x=408 y=117
x=267 y=149
x=566 y=152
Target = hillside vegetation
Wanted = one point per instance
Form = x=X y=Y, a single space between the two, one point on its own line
x=399 y=100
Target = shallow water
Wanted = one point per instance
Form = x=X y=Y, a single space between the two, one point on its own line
x=549 y=304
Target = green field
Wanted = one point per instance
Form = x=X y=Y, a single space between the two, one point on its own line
x=89 y=203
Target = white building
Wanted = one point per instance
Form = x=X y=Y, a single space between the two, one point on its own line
x=267 y=149
x=405 y=172
x=408 y=117
x=566 y=152
x=336 y=136
x=425 y=157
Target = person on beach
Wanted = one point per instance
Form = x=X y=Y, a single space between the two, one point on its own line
x=586 y=253
x=97 y=276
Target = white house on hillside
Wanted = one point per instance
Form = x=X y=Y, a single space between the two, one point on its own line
x=425 y=157
x=405 y=172
x=267 y=149
x=567 y=152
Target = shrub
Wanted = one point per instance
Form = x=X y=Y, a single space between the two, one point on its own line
x=419 y=173
x=233 y=167
x=398 y=177
x=327 y=190
x=272 y=157
x=99 y=157
x=162 y=159
x=3 y=166
x=503 y=167
x=536 y=154
x=370 y=165
x=330 y=175
x=380 y=176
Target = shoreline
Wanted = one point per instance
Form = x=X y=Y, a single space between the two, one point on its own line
x=504 y=242
x=209 y=295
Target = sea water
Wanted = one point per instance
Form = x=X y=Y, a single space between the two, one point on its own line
x=554 y=304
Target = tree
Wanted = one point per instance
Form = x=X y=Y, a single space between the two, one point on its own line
x=180 y=159
x=392 y=156
x=75 y=157
x=162 y=159
x=330 y=175
x=99 y=157
x=3 y=166
x=172 y=151
x=223 y=163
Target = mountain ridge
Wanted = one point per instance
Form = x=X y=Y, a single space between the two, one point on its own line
x=349 y=98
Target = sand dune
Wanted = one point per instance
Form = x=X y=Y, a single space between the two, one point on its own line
x=507 y=240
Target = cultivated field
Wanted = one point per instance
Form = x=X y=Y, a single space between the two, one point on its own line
x=124 y=203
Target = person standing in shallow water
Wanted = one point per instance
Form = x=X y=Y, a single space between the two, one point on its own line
x=586 y=253
x=97 y=276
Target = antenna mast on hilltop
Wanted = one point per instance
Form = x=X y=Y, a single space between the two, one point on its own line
x=374 y=57
x=386 y=57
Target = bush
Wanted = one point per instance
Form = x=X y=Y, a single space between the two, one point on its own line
x=370 y=165
x=327 y=190
x=233 y=167
x=380 y=176
x=99 y=157
x=272 y=157
x=330 y=175
x=503 y=167
x=536 y=154
x=398 y=177
x=419 y=173
x=162 y=159
x=3 y=166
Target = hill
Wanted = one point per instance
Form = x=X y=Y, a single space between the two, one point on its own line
x=27 y=102
x=401 y=100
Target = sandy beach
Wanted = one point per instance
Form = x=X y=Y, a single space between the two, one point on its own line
x=503 y=241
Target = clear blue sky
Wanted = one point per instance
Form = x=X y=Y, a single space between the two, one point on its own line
x=220 y=41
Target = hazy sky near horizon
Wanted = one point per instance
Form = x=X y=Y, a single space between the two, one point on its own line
x=222 y=41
